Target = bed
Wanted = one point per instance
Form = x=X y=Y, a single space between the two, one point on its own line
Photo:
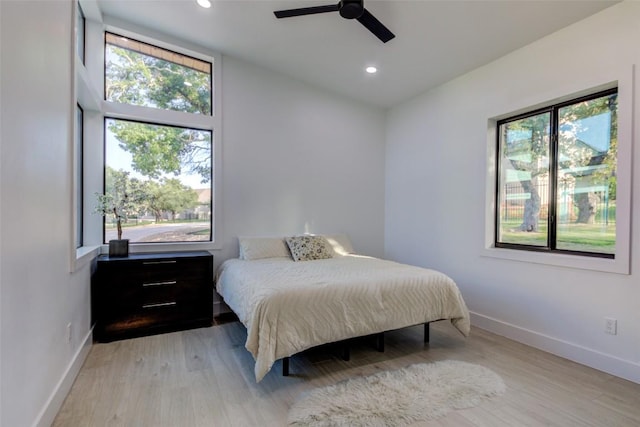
x=289 y=304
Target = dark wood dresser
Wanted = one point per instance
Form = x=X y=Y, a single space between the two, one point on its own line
x=144 y=294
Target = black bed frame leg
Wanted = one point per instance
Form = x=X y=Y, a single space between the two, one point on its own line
x=346 y=353
x=380 y=342
x=426 y=332
x=285 y=366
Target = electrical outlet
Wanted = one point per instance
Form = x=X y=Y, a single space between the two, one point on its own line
x=68 y=332
x=610 y=326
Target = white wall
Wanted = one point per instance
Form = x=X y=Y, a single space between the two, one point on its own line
x=39 y=295
x=296 y=159
x=436 y=165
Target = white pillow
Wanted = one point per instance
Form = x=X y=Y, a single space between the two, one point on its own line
x=340 y=244
x=263 y=247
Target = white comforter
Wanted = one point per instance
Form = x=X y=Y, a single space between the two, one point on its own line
x=290 y=306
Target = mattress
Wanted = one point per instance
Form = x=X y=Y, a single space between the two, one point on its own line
x=289 y=306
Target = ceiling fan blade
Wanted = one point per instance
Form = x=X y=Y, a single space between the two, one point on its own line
x=375 y=26
x=306 y=11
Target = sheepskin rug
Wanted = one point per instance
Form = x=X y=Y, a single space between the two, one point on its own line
x=398 y=398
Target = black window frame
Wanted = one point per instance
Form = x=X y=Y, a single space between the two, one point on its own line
x=211 y=179
x=552 y=110
x=79 y=167
x=211 y=71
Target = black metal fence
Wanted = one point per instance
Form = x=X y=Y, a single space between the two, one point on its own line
x=514 y=198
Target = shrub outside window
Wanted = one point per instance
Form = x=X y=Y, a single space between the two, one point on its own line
x=556 y=181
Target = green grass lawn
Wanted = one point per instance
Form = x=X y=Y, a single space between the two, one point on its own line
x=575 y=237
x=132 y=223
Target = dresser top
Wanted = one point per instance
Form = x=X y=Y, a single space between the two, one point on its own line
x=155 y=256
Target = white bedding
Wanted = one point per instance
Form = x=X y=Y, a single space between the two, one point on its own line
x=290 y=306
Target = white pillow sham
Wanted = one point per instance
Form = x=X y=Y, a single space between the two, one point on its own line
x=262 y=247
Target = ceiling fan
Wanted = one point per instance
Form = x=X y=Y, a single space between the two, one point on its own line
x=349 y=9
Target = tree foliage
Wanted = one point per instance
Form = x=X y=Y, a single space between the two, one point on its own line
x=158 y=150
x=578 y=162
x=126 y=197
x=171 y=196
x=139 y=79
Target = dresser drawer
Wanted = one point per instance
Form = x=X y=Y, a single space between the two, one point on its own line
x=152 y=271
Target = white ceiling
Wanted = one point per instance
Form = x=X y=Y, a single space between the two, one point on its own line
x=435 y=40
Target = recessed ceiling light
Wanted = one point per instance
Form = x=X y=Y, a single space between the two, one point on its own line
x=371 y=70
x=204 y=3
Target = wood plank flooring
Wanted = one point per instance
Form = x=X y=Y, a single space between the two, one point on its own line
x=204 y=377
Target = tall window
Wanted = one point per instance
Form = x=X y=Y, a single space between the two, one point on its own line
x=78 y=200
x=556 y=181
x=80 y=33
x=137 y=73
x=163 y=162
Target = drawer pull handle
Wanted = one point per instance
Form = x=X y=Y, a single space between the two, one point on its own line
x=160 y=304
x=171 y=282
x=173 y=261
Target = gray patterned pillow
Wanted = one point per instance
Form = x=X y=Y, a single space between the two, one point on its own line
x=307 y=248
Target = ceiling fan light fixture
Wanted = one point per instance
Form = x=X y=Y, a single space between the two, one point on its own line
x=371 y=69
x=348 y=9
x=351 y=9
x=204 y=3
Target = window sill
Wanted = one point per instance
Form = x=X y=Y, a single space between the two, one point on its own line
x=617 y=266
x=84 y=255
x=167 y=247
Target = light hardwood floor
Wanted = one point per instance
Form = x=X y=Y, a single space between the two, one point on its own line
x=204 y=377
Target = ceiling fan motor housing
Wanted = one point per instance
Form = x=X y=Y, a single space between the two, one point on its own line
x=351 y=9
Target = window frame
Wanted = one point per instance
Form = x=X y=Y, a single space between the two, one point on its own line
x=78 y=177
x=620 y=76
x=172 y=50
x=212 y=123
x=87 y=90
x=104 y=181
x=553 y=111
x=81 y=32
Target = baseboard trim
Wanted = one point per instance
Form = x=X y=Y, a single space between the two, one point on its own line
x=48 y=414
x=585 y=356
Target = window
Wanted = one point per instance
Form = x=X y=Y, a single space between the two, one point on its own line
x=166 y=173
x=141 y=74
x=80 y=34
x=78 y=150
x=556 y=180
x=159 y=141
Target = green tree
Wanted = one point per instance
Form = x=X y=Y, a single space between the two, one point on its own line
x=586 y=165
x=171 y=196
x=529 y=156
x=157 y=150
x=139 y=79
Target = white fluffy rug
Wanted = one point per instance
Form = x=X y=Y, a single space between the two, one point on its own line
x=398 y=398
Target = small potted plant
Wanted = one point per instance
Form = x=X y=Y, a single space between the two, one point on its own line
x=117 y=201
